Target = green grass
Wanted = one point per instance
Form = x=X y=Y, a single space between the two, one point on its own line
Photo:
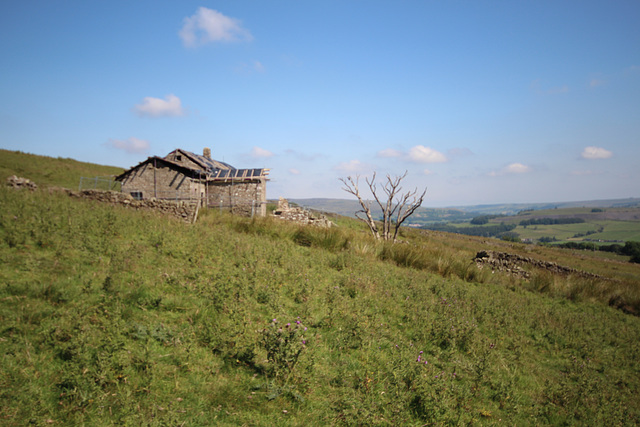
x=110 y=316
x=48 y=171
x=612 y=230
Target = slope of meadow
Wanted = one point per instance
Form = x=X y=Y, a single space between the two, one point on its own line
x=114 y=317
x=49 y=171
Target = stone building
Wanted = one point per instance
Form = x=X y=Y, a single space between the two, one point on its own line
x=186 y=176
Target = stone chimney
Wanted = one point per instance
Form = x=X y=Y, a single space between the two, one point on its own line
x=207 y=153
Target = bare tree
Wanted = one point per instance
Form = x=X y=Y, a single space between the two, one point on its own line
x=351 y=186
x=396 y=203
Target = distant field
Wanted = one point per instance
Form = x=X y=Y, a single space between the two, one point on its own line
x=611 y=224
x=588 y=214
x=612 y=230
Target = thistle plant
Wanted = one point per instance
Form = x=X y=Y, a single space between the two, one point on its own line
x=284 y=345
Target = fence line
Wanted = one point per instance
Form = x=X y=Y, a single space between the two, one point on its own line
x=98 y=183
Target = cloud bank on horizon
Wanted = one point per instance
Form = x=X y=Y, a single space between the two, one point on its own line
x=448 y=95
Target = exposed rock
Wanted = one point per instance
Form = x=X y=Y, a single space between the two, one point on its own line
x=19 y=183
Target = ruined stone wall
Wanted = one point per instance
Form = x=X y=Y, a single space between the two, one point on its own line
x=514 y=263
x=182 y=210
x=162 y=182
x=242 y=198
x=300 y=215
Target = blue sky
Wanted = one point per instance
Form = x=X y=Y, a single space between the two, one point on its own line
x=480 y=101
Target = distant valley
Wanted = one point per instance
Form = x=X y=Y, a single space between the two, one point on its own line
x=425 y=215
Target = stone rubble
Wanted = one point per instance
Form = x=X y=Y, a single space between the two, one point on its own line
x=19 y=183
x=300 y=215
x=513 y=263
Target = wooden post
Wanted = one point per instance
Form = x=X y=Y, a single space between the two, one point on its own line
x=155 y=187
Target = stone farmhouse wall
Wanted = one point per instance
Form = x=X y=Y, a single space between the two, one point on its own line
x=162 y=182
x=246 y=198
x=182 y=160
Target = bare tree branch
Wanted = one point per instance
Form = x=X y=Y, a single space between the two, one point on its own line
x=351 y=186
x=401 y=205
x=410 y=209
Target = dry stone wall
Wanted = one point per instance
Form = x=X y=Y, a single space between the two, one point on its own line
x=184 y=211
x=514 y=263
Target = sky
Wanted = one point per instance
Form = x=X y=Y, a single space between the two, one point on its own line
x=480 y=102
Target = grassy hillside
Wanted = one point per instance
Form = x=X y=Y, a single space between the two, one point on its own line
x=48 y=171
x=114 y=317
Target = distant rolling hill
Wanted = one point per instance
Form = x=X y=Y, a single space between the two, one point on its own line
x=426 y=215
x=350 y=207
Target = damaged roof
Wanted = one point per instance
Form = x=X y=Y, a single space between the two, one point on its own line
x=211 y=170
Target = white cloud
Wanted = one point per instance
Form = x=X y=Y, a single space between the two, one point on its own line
x=511 y=169
x=351 y=166
x=517 y=168
x=208 y=25
x=130 y=145
x=260 y=153
x=294 y=171
x=597 y=82
x=170 y=106
x=593 y=153
x=422 y=154
x=257 y=66
x=427 y=172
x=389 y=152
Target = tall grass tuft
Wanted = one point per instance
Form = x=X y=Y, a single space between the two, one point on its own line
x=441 y=260
x=331 y=239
